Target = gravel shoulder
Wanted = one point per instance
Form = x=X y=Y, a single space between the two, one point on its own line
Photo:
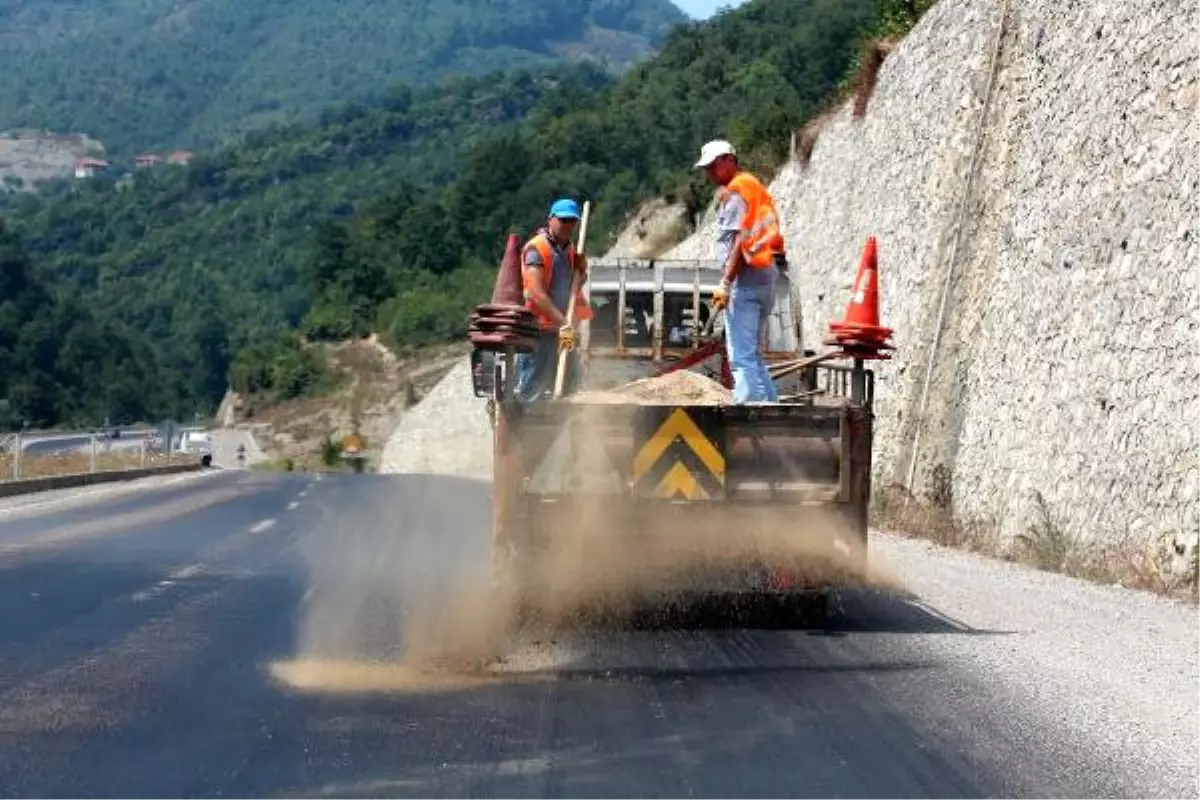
x=1112 y=667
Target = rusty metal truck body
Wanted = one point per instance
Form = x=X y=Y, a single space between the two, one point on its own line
x=698 y=498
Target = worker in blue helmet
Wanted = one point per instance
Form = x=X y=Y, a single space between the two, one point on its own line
x=548 y=267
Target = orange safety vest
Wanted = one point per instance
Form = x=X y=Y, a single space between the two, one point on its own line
x=582 y=310
x=761 y=237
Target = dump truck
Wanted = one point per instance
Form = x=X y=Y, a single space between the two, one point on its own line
x=650 y=479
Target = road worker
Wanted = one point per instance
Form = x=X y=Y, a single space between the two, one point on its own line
x=750 y=254
x=548 y=266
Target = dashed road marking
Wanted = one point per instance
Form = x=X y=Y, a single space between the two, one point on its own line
x=181 y=574
x=262 y=525
x=292 y=505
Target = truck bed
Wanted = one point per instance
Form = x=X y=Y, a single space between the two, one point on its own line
x=674 y=483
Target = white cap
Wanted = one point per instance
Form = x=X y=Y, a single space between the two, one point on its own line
x=714 y=150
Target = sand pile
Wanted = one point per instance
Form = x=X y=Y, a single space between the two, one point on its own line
x=679 y=387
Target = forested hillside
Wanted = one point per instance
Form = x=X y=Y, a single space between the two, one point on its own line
x=60 y=363
x=141 y=74
x=390 y=216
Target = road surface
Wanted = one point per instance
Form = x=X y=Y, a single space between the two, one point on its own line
x=138 y=634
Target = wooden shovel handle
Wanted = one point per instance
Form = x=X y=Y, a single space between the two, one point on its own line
x=576 y=277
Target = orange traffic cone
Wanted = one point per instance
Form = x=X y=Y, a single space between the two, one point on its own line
x=507 y=290
x=860 y=328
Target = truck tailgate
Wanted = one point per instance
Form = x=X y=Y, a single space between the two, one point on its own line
x=787 y=454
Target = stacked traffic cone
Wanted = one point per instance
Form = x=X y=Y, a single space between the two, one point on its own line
x=507 y=291
x=498 y=327
x=859 y=334
x=505 y=322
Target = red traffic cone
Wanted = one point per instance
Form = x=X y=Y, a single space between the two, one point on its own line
x=507 y=290
x=860 y=327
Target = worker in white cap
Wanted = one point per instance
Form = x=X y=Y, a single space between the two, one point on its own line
x=750 y=253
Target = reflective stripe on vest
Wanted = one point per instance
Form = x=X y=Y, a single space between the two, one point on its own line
x=542 y=244
x=761 y=237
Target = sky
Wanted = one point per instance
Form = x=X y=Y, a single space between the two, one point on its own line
x=703 y=9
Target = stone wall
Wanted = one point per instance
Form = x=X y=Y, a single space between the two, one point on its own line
x=1066 y=368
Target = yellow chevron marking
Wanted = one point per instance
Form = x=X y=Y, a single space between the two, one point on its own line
x=678 y=426
x=679 y=480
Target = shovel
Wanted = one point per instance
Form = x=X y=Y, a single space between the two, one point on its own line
x=561 y=375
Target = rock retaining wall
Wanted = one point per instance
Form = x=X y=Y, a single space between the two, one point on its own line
x=1039 y=158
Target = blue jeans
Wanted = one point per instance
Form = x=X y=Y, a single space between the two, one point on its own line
x=536 y=370
x=751 y=299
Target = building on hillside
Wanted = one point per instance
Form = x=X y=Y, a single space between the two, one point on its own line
x=88 y=167
x=181 y=157
x=147 y=160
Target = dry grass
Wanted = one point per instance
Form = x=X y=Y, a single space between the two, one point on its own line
x=862 y=83
x=891 y=512
x=1044 y=546
x=806 y=137
x=44 y=466
x=858 y=90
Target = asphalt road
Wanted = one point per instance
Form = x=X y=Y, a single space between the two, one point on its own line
x=138 y=634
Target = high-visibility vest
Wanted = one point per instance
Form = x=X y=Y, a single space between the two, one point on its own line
x=541 y=242
x=761 y=236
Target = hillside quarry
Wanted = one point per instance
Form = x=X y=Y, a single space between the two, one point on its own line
x=1036 y=161
x=28 y=156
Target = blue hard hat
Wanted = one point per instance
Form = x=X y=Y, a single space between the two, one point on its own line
x=565 y=209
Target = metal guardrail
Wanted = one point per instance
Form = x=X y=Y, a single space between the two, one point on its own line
x=97 y=450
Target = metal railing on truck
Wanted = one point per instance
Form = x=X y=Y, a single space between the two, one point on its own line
x=641 y=311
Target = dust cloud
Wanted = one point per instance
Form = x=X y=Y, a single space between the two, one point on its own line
x=406 y=596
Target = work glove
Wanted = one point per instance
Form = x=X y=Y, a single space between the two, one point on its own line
x=720 y=298
x=566 y=337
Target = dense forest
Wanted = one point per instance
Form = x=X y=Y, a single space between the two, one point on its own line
x=60 y=363
x=389 y=215
x=151 y=74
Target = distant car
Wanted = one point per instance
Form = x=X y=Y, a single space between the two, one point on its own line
x=198 y=442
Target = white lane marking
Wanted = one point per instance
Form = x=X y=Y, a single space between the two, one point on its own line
x=262 y=525
x=303 y=493
x=292 y=505
x=183 y=573
x=318 y=477
x=152 y=592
